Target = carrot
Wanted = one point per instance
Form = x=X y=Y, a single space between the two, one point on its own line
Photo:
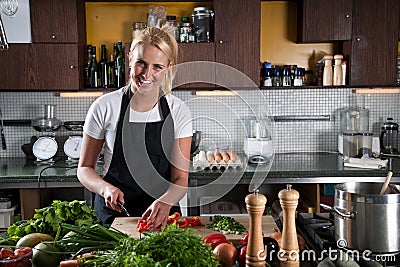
x=71 y=263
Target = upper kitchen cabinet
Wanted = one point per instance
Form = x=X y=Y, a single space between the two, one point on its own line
x=373 y=47
x=58 y=21
x=53 y=60
x=237 y=40
x=324 y=20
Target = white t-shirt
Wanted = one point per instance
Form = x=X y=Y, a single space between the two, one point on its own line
x=102 y=120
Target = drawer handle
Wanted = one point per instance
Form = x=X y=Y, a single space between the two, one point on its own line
x=53 y=36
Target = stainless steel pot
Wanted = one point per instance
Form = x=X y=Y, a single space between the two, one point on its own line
x=366 y=220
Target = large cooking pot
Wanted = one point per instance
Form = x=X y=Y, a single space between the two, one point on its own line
x=366 y=220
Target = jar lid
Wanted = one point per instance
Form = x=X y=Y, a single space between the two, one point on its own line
x=171 y=17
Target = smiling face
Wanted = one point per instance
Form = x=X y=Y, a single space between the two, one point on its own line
x=148 y=67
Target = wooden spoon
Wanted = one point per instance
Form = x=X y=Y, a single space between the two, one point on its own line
x=386 y=183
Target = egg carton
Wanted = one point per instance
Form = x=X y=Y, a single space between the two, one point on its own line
x=202 y=164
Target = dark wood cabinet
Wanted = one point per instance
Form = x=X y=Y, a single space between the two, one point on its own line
x=54 y=59
x=57 y=21
x=236 y=46
x=373 y=48
x=324 y=20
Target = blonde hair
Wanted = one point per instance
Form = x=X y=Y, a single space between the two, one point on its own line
x=166 y=43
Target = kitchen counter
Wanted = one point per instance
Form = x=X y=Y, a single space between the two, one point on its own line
x=286 y=168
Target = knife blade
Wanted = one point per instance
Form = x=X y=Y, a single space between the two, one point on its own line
x=3 y=139
x=124 y=210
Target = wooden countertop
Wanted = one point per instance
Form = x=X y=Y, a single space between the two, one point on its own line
x=128 y=225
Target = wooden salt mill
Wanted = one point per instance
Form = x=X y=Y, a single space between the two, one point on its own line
x=255 y=205
x=289 y=199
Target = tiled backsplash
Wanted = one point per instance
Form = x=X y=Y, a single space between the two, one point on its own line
x=220 y=118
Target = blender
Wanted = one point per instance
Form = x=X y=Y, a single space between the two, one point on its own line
x=258 y=144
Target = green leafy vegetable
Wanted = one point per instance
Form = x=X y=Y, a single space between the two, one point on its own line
x=48 y=219
x=173 y=246
x=226 y=225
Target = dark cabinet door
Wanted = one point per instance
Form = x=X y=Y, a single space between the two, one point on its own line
x=14 y=72
x=55 y=67
x=237 y=40
x=324 y=20
x=57 y=21
x=373 y=56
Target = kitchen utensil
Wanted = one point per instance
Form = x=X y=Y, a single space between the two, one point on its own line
x=123 y=209
x=196 y=138
x=3 y=37
x=9 y=7
x=386 y=183
x=365 y=219
x=74 y=125
x=3 y=139
x=389 y=137
x=48 y=123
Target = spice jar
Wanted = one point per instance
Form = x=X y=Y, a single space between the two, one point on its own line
x=171 y=21
x=186 y=34
x=137 y=28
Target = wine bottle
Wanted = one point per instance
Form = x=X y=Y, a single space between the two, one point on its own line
x=103 y=67
x=86 y=67
x=119 y=66
x=94 y=70
x=110 y=72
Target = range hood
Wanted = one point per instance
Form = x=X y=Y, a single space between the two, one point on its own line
x=16 y=28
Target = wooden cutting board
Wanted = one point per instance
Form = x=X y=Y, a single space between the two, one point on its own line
x=128 y=225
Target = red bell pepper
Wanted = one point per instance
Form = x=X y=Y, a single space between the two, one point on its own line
x=184 y=223
x=142 y=226
x=245 y=238
x=215 y=239
x=195 y=221
x=242 y=256
x=176 y=216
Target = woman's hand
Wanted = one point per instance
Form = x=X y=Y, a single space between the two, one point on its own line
x=112 y=195
x=157 y=214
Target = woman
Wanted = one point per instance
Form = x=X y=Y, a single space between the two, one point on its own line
x=146 y=136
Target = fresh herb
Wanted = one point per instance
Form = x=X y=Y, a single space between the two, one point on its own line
x=226 y=225
x=47 y=220
x=173 y=246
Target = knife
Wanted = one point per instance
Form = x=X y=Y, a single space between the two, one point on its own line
x=123 y=209
x=3 y=139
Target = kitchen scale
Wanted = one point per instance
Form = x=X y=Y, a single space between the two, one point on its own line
x=72 y=146
x=45 y=147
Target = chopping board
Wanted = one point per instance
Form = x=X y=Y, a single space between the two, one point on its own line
x=127 y=225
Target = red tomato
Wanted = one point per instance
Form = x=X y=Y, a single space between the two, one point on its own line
x=5 y=253
x=242 y=256
x=195 y=221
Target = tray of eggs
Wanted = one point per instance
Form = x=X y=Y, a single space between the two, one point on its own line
x=216 y=160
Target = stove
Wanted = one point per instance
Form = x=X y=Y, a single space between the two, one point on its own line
x=318 y=232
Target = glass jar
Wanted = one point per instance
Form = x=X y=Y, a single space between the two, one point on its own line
x=137 y=28
x=186 y=32
x=203 y=24
x=171 y=21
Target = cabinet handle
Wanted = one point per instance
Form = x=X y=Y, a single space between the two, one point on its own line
x=358 y=39
x=347 y=16
x=220 y=41
x=53 y=36
x=72 y=67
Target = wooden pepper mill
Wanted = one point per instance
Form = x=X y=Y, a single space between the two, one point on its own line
x=255 y=205
x=289 y=199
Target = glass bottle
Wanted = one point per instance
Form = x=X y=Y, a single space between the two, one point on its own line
x=110 y=72
x=186 y=31
x=119 y=66
x=94 y=70
x=267 y=76
x=103 y=67
x=298 y=77
x=137 y=28
x=86 y=67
